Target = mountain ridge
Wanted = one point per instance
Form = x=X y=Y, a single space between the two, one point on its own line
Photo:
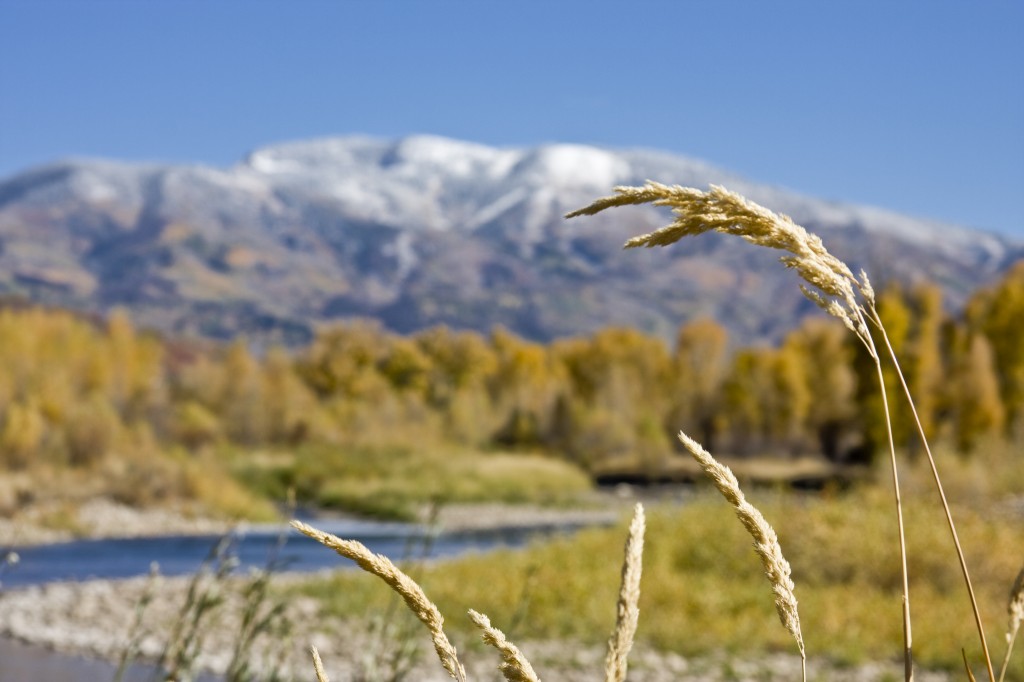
x=425 y=230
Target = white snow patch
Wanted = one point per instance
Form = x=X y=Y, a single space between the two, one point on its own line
x=93 y=188
x=576 y=165
x=403 y=252
x=452 y=156
x=266 y=163
x=497 y=207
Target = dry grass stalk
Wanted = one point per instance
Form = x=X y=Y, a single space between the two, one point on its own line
x=628 y=612
x=204 y=596
x=318 y=665
x=514 y=665
x=942 y=493
x=398 y=581
x=766 y=542
x=967 y=667
x=1016 y=610
x=833 y=288
x=908 y=654
x=136 y=630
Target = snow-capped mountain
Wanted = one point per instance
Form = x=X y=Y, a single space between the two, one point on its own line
x=425 y=230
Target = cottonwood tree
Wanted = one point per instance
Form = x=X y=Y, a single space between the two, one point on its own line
x=699 y=365
x=977 y=408
x=998 y=312
x=827 y=363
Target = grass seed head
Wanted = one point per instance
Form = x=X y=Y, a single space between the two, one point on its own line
x=1016 y=605
x=719 y=210
x=628 y=613
x=514 y=665
x=401 y=583
x=766 y=542
x=318 y=665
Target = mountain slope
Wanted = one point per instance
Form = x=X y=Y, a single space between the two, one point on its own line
x=426 y=230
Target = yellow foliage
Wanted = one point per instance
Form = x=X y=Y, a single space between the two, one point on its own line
x=91 y=431
x=998 y=312
x=22 y=434
x=194 y=425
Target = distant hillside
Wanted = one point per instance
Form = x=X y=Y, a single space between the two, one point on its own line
x=423 y=231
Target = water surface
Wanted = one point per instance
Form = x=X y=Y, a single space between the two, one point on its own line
x=26 y=663
x=182 y=555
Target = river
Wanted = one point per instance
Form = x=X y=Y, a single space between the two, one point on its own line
x=182 y=555
x=25 y=663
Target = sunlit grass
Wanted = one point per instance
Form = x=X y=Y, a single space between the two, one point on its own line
x=702 y=588
x=396 y=482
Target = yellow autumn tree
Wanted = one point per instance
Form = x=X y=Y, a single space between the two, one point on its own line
x=524 y=387
x=926 y=371
x=699 y=366
x=978 y=411
x=998 y=312
x=829 y=378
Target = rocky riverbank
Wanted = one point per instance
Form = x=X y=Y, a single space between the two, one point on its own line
x=99 y=618
x=104 y=518
x=101 y=518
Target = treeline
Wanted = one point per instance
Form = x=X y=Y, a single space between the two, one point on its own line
x=75 y=391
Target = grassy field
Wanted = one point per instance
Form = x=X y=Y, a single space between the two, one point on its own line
x=703 y=588
x=232 y=484
x=398 y=482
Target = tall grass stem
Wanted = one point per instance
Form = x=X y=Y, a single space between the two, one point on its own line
x=942 y=496
x=908 y=652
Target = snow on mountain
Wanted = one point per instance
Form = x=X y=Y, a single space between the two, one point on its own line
x=424 y=230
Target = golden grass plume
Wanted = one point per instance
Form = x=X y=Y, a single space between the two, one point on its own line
x=766 y=542
x=628 y=612
x=720 y=210
x=406 y=587
x=1015 y=609
x=514 y=665
x=318 y=665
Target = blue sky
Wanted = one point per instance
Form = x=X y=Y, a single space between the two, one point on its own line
x=915 y=106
